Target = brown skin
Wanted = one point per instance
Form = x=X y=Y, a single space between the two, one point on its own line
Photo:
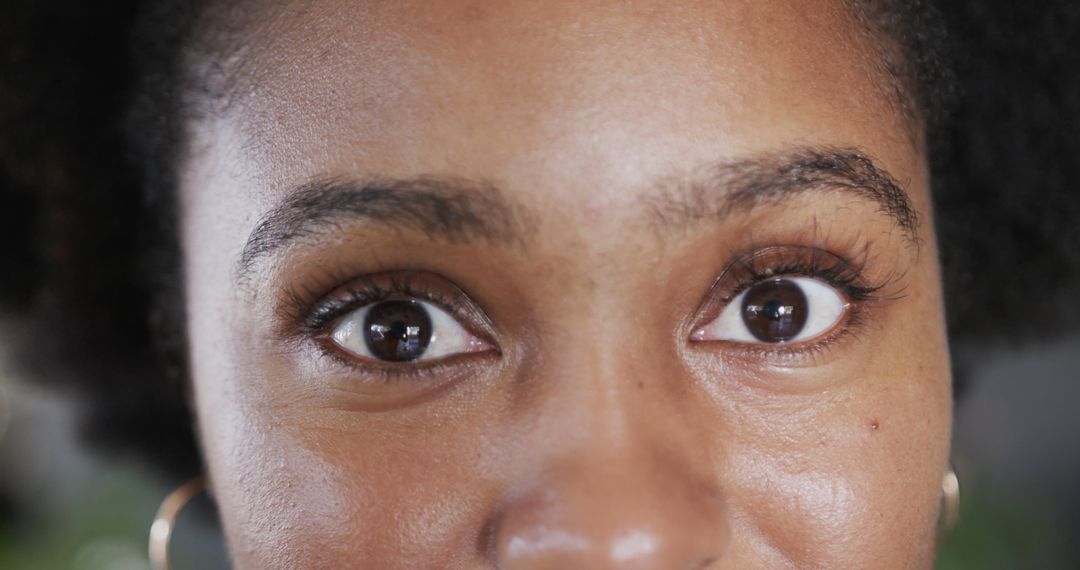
x=590 y=430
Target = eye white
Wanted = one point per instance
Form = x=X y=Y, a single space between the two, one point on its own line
x=825 y=307
x=448 y=337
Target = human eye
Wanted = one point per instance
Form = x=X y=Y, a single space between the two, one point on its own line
x=788 y=299
x=778 y=310
x=403 y=330
x=394 y=324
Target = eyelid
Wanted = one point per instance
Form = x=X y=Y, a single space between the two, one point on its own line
x=347 y=336
x=314 y=314
x=728 y=322
x=850 y=279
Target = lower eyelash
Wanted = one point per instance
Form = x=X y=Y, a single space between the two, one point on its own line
x=783 y=353
x=386 y=373
x=847 y=274
x=309 y=315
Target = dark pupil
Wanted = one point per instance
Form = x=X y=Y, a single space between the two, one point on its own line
x=397 y=331
x=775 y=311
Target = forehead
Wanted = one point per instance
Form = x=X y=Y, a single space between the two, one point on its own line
x=563 y=94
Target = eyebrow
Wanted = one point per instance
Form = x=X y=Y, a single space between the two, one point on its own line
x=768 y=179
x=460 y=211
x=451 y=209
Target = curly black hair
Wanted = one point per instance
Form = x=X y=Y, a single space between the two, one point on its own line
x=91 y=116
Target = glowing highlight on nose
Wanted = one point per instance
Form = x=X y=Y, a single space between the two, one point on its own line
x=542 y=540
x=632 y=546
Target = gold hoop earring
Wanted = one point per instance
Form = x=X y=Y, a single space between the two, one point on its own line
x=165 y=520
x=950 y=503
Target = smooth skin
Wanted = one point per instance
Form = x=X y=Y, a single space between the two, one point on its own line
x=589 y=427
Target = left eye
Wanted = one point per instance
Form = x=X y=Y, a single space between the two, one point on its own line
x=777 y=311
x=403 y=330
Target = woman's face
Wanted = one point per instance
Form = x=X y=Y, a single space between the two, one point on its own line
x=564 y=285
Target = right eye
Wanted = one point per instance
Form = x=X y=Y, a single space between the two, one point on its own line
x=775 y=311
x=403 y=330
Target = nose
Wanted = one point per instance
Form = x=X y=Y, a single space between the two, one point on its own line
x=616 y=509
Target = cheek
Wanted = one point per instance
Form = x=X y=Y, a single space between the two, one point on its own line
x=859 y=464
x=301 y=485
x=861 y=494
x=281 y=505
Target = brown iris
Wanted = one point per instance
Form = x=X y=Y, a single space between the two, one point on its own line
x=397 y=330
x=775 y=310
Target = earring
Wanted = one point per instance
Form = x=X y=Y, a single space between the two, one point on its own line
x=165 y=520
x=950 y=504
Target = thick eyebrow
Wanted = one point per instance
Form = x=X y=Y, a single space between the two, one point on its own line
x=719 y=189
x=460 y=211
x=450 y=209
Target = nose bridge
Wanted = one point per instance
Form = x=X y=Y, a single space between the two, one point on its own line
x=609 y=374
x=623 y=487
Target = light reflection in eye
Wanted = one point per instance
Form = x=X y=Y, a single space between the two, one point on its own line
x=781 y=310
x=403 y=330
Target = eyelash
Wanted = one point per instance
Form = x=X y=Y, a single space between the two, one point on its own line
x=850 y=278
x=364 y=290
x=847 y=277
x=313 y=313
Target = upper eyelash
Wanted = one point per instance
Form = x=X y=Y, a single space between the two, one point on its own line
x=312 y=313
x=318 y=313
x=315 y=314
x=847 y=276
x=851 y=278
